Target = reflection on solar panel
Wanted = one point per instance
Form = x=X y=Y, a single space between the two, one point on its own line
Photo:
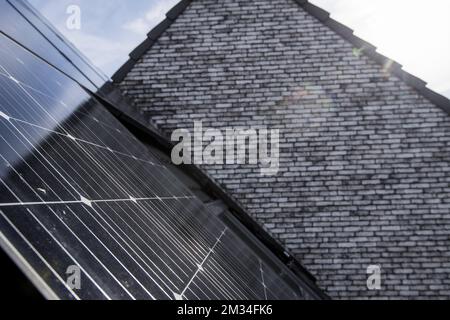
x=77 y=189
x=14 y=24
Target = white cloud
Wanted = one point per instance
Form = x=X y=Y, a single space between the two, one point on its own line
x=415 y=35
x=139 y=26
x=153 y=16
x=447 y=93
x=103 y=53
x=157 y=12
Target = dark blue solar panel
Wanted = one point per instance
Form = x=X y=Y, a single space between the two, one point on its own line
x=77 y=189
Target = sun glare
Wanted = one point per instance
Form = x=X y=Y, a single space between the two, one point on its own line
x=414 y=33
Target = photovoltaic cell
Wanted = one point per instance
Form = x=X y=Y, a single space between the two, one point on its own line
x=77 y=189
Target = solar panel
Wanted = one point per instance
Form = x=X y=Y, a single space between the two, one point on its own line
x=14 y=24
x=45 y=29
x=77 y=189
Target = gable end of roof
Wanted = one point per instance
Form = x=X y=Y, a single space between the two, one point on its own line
x=324 y=17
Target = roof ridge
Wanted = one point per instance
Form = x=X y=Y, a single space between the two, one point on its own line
x=152 y=37
x=324 y=17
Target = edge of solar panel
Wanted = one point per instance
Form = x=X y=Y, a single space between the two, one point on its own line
x=69 y=46
x=24 y=279
x=237 y=216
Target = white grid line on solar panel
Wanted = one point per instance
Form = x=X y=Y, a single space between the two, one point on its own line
x=71 y=137
x=222 y=256
x=128 y=198
x=227 y=268
x=52 y=36
x=56 y=100
x=228 y=293
x=215 y=268
x=200 y=267
x=47 y=264
x=88 y=128
x=19 y=130
x=29 y=186
x=78 y=264
x=210 y=272
x=225 y=273
x=64 y=249
x=87 y=201
x=43 y=49
x=78 y=238
x=262 y=278
x=61 y=102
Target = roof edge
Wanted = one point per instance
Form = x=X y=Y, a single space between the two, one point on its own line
x=370 y=51
x=323 y=16
x=152 y=37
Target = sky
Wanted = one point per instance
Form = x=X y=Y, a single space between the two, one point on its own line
x=415 y=33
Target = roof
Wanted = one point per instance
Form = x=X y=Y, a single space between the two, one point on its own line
x=324 y=17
